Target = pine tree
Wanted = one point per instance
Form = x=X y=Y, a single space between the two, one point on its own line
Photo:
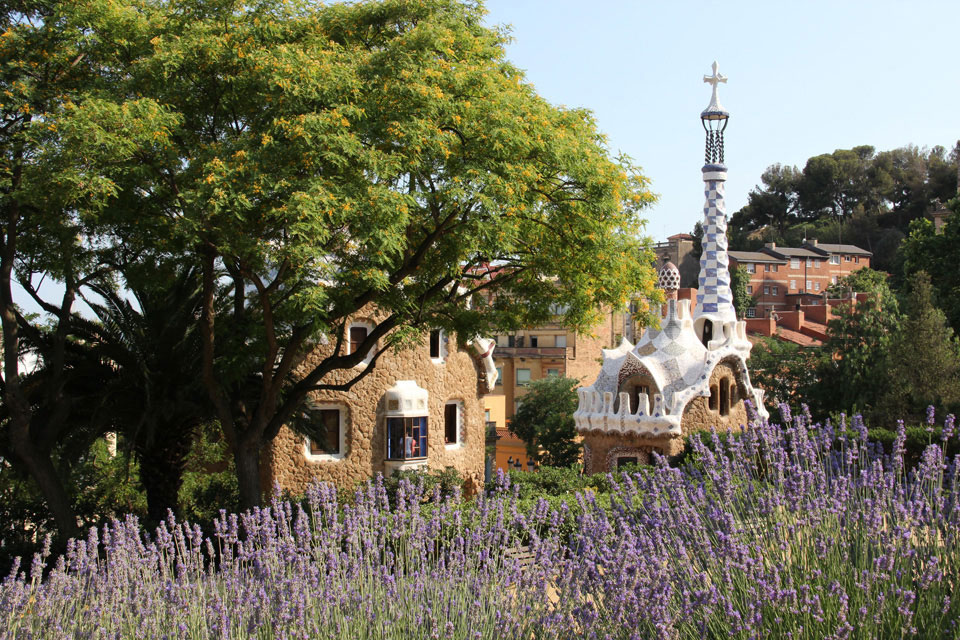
x=925 y=356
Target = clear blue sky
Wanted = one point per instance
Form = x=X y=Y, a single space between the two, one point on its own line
x=804 y=78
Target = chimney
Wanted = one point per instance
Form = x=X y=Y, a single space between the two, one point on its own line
x=770 y=245
x=814 y=242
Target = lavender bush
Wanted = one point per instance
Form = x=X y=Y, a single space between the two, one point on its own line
x=795 y=531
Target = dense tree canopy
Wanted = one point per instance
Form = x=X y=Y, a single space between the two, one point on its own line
x=313 y=162
x=545 y=421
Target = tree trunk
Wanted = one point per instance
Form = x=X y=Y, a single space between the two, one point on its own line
x=246 y=455
x=41 y=469
x=161 y=474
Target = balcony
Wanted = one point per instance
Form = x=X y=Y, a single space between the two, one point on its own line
x=530 y=352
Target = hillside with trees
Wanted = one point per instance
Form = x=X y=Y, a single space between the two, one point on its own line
x=851 y=196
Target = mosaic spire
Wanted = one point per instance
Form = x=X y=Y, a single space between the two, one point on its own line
x=714 y=296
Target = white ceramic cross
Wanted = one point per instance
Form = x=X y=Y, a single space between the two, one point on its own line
x=714 y=80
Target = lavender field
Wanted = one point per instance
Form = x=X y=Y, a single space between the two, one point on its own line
x=796 y=530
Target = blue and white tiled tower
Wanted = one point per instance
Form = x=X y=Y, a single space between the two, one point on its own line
x=714 y=312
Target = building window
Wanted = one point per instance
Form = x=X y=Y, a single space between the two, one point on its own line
x=809 y=285
x=561 y=340
x=834 y=279
x=553 y=372
x=356 y=335
x=623 y=461
x=816 y=286
x=325 y=432
x=724 y=397
x=499 y=375
x=816 y=264
x=486 y=415
x=436 y=347
x=794 y=263
x=766 y=267
x=846 y=258
x=856 y=260
x=750 y=289
x=774 y=268
x=766 y=290
x=809 y=262
x=523 y=377
x=406 y=438
x=534 y=341
x=834 y=259
x=793 y=284
x=714 y=393
x=776 y=291
x=751 y=268
x=451 y=423
x=752 y=312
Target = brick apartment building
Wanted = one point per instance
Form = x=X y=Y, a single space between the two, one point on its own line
x=782 y=278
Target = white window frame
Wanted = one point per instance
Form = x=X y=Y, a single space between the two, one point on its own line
x=809 y=286
x=751 y=267
x=560 y=340
x=816 y=286
x=809 y=262
x=793 y=284
x=766 y=290
x=794 y=263
x=750 y=289
x=499 y=380
x=776 y=291
x=369 y=327
x=751 y=312
x=816 y=264
x=834 y=259
x=329 y=457
x=459 y=442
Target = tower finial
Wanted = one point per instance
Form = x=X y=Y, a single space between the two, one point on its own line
x=714 y=119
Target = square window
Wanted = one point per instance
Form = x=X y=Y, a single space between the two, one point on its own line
x=751 y=268
x=766 y=291
x=846 y=258
x=775 y=268
x=816 y=264
x=523 y=377
x=834 y=259
x=451 y=423
x=561 y=340
x=553 y=372
x=406 y=438
x=794 y=263
x=325 y=433
x=809 y=262
x=751 y=312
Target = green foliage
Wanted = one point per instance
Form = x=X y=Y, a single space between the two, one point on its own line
x=924 y=357
x=854 y=196
x=787 y=371
x=209 y=479
x=545 y=421
x=742 y=300
x=442 y=483
x=925 y=250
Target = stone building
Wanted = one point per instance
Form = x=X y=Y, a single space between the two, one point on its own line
x=691 y=373
x=419 y=408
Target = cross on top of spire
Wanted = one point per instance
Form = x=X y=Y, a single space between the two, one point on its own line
x=714 y=111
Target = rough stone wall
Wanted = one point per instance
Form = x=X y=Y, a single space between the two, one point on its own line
x=697 y=416
x=285 y=462
x=600 y=451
